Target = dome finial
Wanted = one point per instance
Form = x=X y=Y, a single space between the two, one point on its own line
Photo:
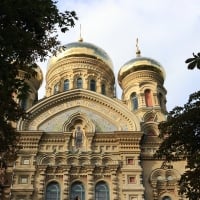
x=80 y=38
x=137 y=48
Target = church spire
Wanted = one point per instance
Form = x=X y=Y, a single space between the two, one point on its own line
x=137 y=49
x=80 y=38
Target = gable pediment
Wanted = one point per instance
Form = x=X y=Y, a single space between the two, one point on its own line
x=98 y=112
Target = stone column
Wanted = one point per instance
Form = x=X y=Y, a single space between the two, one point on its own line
x=98 y=85
x=71 y=83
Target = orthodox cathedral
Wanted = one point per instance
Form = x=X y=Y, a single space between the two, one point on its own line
x=80 y=142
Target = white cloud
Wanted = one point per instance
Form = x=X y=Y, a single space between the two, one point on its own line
x=168 y=32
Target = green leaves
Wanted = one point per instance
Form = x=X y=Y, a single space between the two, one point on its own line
x=28 y=33
x=183 y=142
x=193 y=62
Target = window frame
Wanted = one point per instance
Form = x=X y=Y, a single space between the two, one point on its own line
x=99 y=192
x=148 y=98
x=77 y=189
x=103 y=88
x=56 y=88
x=134 y=101
x=66 y=85
x=23 y=179
x=130 y=159
x=93 y=85
x=134 y=181
x=49 y=195
x=79 y=83
x=23 y=159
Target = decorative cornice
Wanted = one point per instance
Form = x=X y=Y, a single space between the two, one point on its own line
x=71 y=63
x=142 y=75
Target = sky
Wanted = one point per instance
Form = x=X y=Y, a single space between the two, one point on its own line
x=167 y=30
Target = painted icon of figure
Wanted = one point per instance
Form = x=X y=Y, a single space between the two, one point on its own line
x=79 y=137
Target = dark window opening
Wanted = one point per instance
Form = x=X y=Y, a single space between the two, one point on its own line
x=103 y=89
x=66 y=85
x=134 y=101
x=93 y=85
x=79 y=83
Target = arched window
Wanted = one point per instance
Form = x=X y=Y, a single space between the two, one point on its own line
x=101 y=191
x=52 y=191
x=66 y=85
x=103 y=89
x=77 y=191
x=79 y=83
x=134 y=101
x=93 y=85
x=148 y=98
x=56 y=88
x=166 y=198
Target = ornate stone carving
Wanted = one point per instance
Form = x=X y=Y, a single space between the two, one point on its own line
x=106 y=116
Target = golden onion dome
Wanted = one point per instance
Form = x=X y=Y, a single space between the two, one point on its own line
x=141 y=63
x=81 y=49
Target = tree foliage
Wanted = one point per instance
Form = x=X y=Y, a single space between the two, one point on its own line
x=181 y=134
x=28 y=33
x=193 y=62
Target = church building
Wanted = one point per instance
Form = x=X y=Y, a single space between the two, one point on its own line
x=81 y=142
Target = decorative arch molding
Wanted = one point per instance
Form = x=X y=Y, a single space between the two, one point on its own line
x=84 y=160
x=96 y=160
x=107 y=160
x=150 y=116
x=150 y=124
x=134 y=87
x=50 y=159
x=78 y=118
x=44 y=159
x=73 y=160
x=148 y=85
x=164 y=181
x=167 y=196
x=112 y=111
x=164 y=175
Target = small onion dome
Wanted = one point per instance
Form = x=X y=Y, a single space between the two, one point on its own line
x=36 y=80
x=38 y=77
x=139 y=64
x=81 y=49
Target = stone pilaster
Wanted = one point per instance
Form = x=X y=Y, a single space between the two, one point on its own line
x=66 y=180
x=41 y=186
x=114 y=180
x=90 y=183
